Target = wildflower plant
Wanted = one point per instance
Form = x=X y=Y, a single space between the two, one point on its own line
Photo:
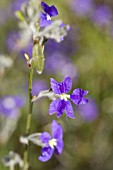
x=42 y=28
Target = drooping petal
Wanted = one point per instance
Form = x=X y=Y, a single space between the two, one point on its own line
x=67 y=83
x=78 y=96
x=59 y=114
x=45 y=7
x=61 y=108
x=69 y=110
x=53 y=11
x=57 y=131
x=57 y=106
x=43 y=20
x=45 y=137
x=55 y=86
x=54 y=106
x=59 y=147
x=46 y=154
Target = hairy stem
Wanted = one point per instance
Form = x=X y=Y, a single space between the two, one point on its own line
x=28 y=125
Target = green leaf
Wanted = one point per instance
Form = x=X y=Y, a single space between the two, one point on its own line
x=20 y=16
x=38 y=57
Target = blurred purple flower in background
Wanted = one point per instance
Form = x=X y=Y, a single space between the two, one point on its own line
x=38 y=85
x=62 y=104
x=12 y=41
x=16 y=5
x=102 y=15
x=9 y=105
x=89 y=111
x=64 y=66
x=45 y=18
x=52 y=144
x=82 y=7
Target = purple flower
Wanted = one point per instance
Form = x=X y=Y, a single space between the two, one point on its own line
x=102 y=15
x=45 y=18
x=82 y=7
x=9 y=105
x=89 y=111
x=62 y=103
x=78 y=96
x=52 y=143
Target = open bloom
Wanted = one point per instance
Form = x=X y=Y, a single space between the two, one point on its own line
x=52 y=143
x=62 y=103
x=45 y=18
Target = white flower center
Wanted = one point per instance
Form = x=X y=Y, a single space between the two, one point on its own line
x=64 y=96
x=52 y=143
x=9 y=103
x=48 y=17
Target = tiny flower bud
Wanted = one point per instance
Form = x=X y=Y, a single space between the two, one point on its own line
x=28 y=60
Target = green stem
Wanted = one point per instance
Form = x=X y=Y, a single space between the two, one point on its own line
x=28 y=125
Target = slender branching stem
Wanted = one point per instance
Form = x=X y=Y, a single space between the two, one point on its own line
x=28 y=125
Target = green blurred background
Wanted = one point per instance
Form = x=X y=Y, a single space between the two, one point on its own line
x=88 y=143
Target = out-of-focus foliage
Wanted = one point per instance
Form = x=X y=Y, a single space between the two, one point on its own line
x=86 y=54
